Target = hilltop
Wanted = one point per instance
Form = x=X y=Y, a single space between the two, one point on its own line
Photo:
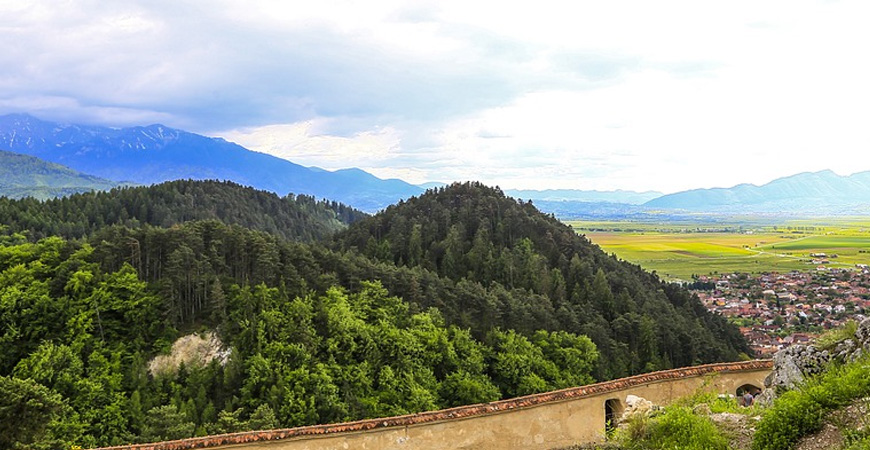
x=292 y=217
x=477 y=234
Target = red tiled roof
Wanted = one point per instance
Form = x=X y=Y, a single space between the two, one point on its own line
x=452 y=413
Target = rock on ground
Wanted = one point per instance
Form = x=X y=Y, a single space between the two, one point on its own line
x=636 y=405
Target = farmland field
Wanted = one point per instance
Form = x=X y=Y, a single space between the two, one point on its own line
x=678 y=251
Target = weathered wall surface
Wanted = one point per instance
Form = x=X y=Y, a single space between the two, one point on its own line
x=541 y=421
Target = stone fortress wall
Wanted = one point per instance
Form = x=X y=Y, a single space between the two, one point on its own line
x=541 y=421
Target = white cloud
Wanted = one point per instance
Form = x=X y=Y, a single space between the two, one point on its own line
x=597 y=95
x=302 y=143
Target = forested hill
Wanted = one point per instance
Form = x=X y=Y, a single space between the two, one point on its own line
x=475 y=233
x=293 y=217
x=308 y=339
x=27 y=176
x=459 y=296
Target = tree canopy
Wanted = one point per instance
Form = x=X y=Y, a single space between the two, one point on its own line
x=459 y=296
x=542 y=272
x=295 y=217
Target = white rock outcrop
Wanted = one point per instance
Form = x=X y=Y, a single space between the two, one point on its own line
x=194 y=350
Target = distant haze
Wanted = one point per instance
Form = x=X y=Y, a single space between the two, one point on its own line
x=157 y=153
x=815 y=193
x=558 y=195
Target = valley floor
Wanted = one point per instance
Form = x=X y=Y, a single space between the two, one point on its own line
x=679 y=251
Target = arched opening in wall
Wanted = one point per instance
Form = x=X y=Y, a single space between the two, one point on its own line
x=612 y=413
x=746 y=400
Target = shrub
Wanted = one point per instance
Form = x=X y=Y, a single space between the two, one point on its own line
x=677 y=427
x=680 y=428
x=635 y=428
x=718 y=403
x=794 y=415
x=801 y=412
x=856 y=440
x=831 y=338
x=863 y=444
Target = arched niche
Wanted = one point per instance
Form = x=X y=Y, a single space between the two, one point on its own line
x=742 y=390
x=751 y=388
x=613 y=410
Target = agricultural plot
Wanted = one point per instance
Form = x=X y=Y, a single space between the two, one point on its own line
x=677 y=252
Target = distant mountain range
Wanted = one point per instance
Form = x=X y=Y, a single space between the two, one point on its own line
x=808 y=194
x=572 y=195
x=822 y=192
x=156 y=153
x=28 y=176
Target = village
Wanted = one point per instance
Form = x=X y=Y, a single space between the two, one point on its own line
x=776 y=310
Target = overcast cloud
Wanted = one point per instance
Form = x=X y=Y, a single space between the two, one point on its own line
x=639 y=95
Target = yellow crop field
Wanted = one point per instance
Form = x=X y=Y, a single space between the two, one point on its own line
x=678 y=251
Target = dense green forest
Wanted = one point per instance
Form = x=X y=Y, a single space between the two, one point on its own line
x=474 y=233
x=459 y=296
x=299 y=217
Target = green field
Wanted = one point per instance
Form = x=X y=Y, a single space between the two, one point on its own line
x=678 y=251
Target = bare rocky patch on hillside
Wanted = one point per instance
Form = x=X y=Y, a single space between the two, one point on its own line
x=191 y=350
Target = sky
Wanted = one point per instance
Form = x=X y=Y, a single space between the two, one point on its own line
x=604 y=95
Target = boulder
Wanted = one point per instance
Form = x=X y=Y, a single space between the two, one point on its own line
x=792 y=365
x=636 y=405
x=862 y=334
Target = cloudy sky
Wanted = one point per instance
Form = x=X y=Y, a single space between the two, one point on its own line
x=641 y=95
